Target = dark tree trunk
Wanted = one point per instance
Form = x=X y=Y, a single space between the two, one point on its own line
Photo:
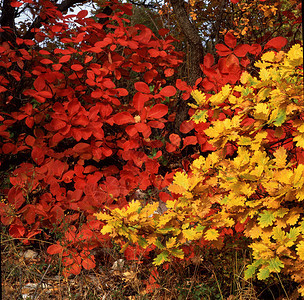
x=195 y=55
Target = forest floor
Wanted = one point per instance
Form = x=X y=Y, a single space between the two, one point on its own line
x=27 y=273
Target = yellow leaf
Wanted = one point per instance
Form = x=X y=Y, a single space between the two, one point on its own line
x=245 y=77
x=283 y=176
x=190 y=234
x=106 y=229
x=181 y=179
x=171 y=242
x=255 y=232
x=300 y=249
x=269 y=56
x=103 y=217
x=280 y=157
x=300 y=140
x=298 y=179
x=260 y=250
x=261 y=111
x=211 y=235
x=293 y=216
x=148 y=210
x=264 y=74
x=134 y=207
x=171 y=204
x=199 y=97
x=242 y=158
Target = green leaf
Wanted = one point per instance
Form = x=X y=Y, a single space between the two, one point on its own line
x=249 y=272
x=200 y=116
x=165 y=230
x=275 y=265
x=158 y=244
x=279 y=235
x=161 y=258
x=281 y=117
x=177 y=253
x=142 y=242
x=266 y=218
x=263 y=274
x=199 y=228
x=293 y=234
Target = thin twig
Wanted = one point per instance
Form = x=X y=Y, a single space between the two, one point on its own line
x=41 y=280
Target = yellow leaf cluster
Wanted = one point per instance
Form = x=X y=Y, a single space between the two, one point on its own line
x=260 y=185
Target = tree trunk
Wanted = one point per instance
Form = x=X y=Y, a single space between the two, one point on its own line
x=195 y=55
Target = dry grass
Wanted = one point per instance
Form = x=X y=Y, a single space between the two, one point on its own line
x=26 y=270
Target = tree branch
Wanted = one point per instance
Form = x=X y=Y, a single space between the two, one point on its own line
x=7 y=20
x=63 y=7
x=192 y=36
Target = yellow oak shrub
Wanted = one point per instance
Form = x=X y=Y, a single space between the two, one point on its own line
x=255 y=176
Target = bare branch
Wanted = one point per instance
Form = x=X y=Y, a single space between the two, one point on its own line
x=63 y=7
x=7 y=20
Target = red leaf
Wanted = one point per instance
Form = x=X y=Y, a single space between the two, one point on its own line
x=131 y=130
x=30 y=140
x=239 y=227
x=157 y=111
x=106 y=151
x=145 y=35
x=142 y=87
x=144 y=129
x=97 y=94
x=169 y=72
x=58 y=124
x=88 y=263
x=163 y=31
x=170 y=148
x=76 y=67
x=150 y=75
x=156 y=124
x=276 y=43
x=9 y=148
x=163 y=196
x=208 y=60
x=44 y=94
x=56 y=28
x=82 y=14
x=64 y=58
x=255 y=49
x=168 y=91
x=175 y=139
x=15 y=197
x=139 y=100
x=181 y=85
x=241 y=50
x=245 y=61
x=222 y=50
x=17 y=231
x=46 y=61
x=189 y=140
x=230 y=40
x=186 y=126
x=37 y=155
x=232 y=63
x=57 y=67
x=54 y=249
x=39 y=84
x=16 y=4
x=123 y=118
x=2 y=89
x=88 y=59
